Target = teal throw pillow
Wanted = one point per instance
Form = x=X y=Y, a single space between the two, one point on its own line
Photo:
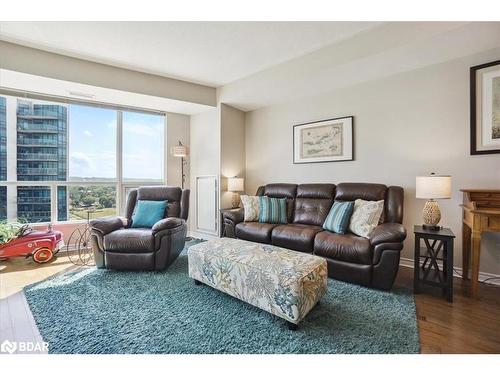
x=272 y=210
x=339 y=217
x=147 y=213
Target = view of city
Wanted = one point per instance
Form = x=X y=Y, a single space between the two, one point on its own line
x=58 y=145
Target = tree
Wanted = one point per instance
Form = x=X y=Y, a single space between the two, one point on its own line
x=106 y=201
x=88 y=200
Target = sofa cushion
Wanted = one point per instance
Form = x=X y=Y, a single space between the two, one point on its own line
x=250 y=207
x=255 y=231
x=131 y=240
x=147 y=213
x=350 y=191
x=272 y=210
x=344 y=247
x=338 y=219
x=313 y=203
x=287 y=191
x=298 y=237
x=365 y=217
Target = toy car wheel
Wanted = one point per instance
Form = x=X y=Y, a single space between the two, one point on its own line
x=43 y=255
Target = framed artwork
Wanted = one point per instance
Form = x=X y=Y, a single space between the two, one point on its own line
x=485 y=108
x=323 y=141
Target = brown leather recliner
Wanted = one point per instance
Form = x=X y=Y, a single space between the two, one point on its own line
x=370 y=261
x=118 y=246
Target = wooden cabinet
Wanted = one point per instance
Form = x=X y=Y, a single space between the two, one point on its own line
x=480 y=213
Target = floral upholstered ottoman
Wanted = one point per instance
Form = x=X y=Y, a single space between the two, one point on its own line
x=283 y=282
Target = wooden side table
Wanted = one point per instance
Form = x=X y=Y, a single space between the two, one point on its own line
x=439 y=247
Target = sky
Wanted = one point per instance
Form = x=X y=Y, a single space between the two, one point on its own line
x=92 y=143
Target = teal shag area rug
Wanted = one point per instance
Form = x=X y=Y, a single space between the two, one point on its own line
x=101 y=311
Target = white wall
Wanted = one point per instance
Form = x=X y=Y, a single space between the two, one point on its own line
x=405 y=125
x=232 y=162
x=204 y=157
x=177 y=130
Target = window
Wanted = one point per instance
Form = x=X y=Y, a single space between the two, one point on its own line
x=92 y=201
x=143 y=146
x=92 y=143
x=68 y=159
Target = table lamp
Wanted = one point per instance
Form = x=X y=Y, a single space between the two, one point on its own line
x=432 y=187
x=235 y=185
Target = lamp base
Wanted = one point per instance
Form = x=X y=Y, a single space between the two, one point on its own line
x=235 y=200
x=431 y=215
x=432 y=227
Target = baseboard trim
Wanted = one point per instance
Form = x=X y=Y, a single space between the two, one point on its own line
x=204 y=236
x=407 y=262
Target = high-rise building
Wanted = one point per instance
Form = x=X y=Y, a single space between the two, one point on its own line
x=42 y=148
x=3 y=158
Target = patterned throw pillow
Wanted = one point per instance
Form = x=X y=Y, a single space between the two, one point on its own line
x=365 y=217
x=251 y=207
x=339 y=216
x=272 y=210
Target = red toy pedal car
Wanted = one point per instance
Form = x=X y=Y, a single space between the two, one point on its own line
x=41 y=245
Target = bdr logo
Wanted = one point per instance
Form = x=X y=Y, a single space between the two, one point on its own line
x=23 y=347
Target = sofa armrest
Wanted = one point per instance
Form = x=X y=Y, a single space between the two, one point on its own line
x=388 y=233
x=105 y=225
x=167 y=223
x=236 y=215
x=229 y=220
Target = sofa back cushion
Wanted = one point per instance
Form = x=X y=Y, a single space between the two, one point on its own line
x=350 y=191
x=288 y=191
x=162 y=193
x=313 y=203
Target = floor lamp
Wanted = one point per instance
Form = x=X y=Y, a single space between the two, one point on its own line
x=181 y=151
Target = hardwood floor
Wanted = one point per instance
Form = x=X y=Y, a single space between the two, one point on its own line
x=16 y=273
x=468 y=325
x=465 y=326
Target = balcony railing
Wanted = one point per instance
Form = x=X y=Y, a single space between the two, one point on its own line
x=37 y=142
x=37 y=171
x=38 y=156
x=39 y=128
x=33 y=200
x=40 y=112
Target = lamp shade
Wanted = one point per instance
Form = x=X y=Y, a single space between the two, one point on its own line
x=180 y=151
x=433 y=187
x=235 y=184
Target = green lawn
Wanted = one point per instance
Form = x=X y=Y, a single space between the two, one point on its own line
x=76 y=214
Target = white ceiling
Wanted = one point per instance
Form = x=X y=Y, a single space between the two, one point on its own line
x=211 y=53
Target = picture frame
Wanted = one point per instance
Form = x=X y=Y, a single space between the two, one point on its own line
x=324 y=141
x=485 y=108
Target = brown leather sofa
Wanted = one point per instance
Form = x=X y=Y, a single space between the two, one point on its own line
x=121 y=247
x=372 y=262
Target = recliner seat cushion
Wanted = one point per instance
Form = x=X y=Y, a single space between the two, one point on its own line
x=255 y=231
x=129 y=240
x=299 y=237
x=345 y=247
